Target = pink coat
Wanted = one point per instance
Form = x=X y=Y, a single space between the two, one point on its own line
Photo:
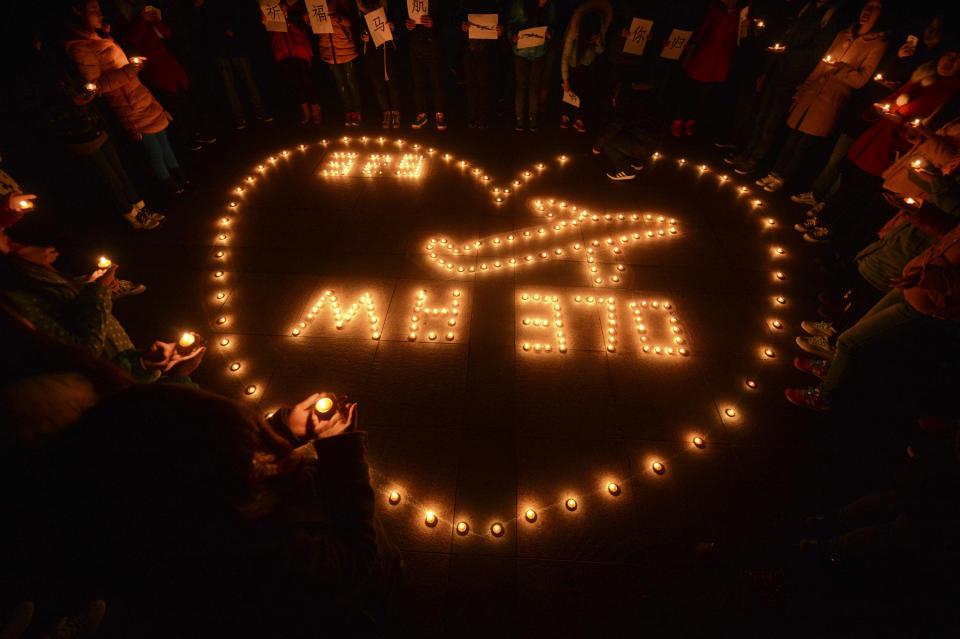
x=942 y=151
x=825 y=92
x=101 y=60
x=938 y=291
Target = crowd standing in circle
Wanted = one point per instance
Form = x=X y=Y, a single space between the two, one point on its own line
x=852 y=107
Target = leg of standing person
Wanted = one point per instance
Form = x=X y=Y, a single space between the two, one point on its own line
x=154 y=149
x=774 y=106
x=794 y=155
x=225 y=67
x=471 y=70
x=242 y=68
x=535 y=107
x=522 y=69
x=887 y=316
x=353 y=89
x=436 y=84
x=375 y=64
x=105 y=162
x=419 y=72
x=292 y=74
x=484 y=78
x=826 y=181
x=544 y=79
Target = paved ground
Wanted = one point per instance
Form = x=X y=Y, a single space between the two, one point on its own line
x=476 y=428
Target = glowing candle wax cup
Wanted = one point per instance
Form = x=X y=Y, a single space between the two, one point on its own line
x=430 y=519
x=463 y=528
x=699 y=442
x=571 y=504
x=613 y=489
x=394 y=498
x=530 y=515
x=496 y=530
x=658 y=467
x=104 y=262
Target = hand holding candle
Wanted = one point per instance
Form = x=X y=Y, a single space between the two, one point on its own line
x=321 y=415
x=777 y=48
x=22 y=202
x=828 y=59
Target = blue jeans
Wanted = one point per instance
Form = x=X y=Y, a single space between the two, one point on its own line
x=888 y=316
x=160 y=154
x=346 y=80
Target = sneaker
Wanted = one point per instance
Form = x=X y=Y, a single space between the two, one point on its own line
x=745 y=168
x=774 y=185
x=387 y=117
x=819 y=235
x=354 y=118
x=141 y=220
x=173 y=186
x=824 y=329
x=805 y=198
x=265 y=117
x=579 y=127
x=532 y=124
x=765 y=180
x=688 y=127
x=720 y=144
x=816 y=345
x=621 y=175
x=194 y=145
x=520 y=125
x=420 y=122
x=205 y=138
x=441 y=121
x=676 y=128
x=636 y=167
x=240 y=125
x=815 y=211
x=806 y=226
x=816 y=367
x=734 y=159
x=395 y=119
x=807 y=398
x=153 y=215
x=125 y=288
x=564 y=121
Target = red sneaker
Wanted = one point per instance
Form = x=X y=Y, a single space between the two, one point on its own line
x=816 y=367
x=807 y=398
x=688 y=127
x=676 y=128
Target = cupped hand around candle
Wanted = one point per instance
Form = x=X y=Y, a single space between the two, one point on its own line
x=163 y=356
x=16 y=199
x=304 y=422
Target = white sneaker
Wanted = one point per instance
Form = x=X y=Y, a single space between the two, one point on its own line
x=815 y=211
x=816 y=345
x=142 y=219
x=808 y=225
x=126 y=288
x=765 y=180
x=774 y=184
x=805 y=198
x=621 y=175
x=824 y=329
x=819 y=235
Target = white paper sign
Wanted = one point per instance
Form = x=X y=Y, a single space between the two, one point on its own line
x=416 y=9
x=675 y=43
x=637 y=39
x=483 y=26
x=377 y=26
x=273 y=15
x=319 y=16
x=532 y=37
x=572 y=99
x=744 y=24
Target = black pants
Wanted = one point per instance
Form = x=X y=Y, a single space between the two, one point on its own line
x=426 y=68
x=478 y=63
x=188 y=119
x=106 y=163
x=855 y=212
x=696 y=96
x=794 y=153
x=296 y=71
x=380 y=66
x=771 y=114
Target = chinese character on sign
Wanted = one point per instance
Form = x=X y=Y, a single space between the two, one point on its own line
x=378 y=24
x=320 y=12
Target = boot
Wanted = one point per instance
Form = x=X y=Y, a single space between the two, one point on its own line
x=306 y=113
x=316 y=115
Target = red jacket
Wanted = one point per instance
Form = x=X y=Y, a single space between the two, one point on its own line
x=294 y=42
x=716 y=40
x=161 y=71
x=876 y=149
x=938 y=291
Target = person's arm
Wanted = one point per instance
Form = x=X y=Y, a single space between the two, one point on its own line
x=858 y=76
x=83 y=323
x=338 y=556
x=89 y=68
x=569 y=42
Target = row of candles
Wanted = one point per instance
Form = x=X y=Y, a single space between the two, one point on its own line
x=664 y=226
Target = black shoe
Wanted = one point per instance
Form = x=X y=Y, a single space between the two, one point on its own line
x=734 y=159
x=265 y=117
x=205 y=139
x=240 y=125
x=172 y=186
x=746 y=168
x=180 y=177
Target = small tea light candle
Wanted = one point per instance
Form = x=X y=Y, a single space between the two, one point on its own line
x=878 y=77
x=91 y=87
x=323 y=405
x=885 y=108
x=777 y=324
x=394 y=498
x=751 y=383
x=430 y=519
x=915 y=122
x=137 y=59
x=530 y=515
x=828 y=59
x=571 y=504
x=777 y=47
x=496 y=530
x=463 y=528
x=699 y=442
x=613 y=488
x=224 y=342
x=781 y=299
x=235 y=367
x=221 y=320
x=730 y=412
x=187 y=340
x=658 y=467
x=104 y=262
x=250 y=390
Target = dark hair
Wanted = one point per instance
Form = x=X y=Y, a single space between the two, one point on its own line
x=591 y=24
x=884 y=24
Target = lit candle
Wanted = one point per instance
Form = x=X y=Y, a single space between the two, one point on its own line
x=463 y=528
x=909 y=201
x=613 y=488
x=496 y=530
x=137 y=59
x=530 y=515
x=828 y=59
x=751 y=383
x=187 y=340
x=699 y=442
x=250 y=390
x=324 y=405
x=915 y=122
x=224 y=342
x=394 y=498
x=878 y=77
x=571 y=504
x=777 y=324
x=658 y=467
x=730 y=412
x=760 y=24
x=235 y=367
x=769 y=352
x=886 y=108
x=25 y=205
x=430 y=519
x=104 y=262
